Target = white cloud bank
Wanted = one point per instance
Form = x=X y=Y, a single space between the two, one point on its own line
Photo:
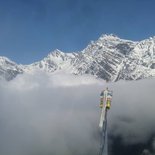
x=42 y=114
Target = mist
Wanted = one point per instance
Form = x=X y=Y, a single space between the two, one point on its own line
x=58 y=114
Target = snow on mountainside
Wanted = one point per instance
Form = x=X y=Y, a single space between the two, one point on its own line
x=9 y=69
x=140 y=63
x=109 y=58
x=55 y=61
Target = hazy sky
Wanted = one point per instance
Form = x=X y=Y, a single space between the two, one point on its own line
x=29 y=29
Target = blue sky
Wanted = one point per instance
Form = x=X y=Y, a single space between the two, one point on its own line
x=30 y=29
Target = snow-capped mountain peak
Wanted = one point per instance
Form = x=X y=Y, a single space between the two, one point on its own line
x=109 y=37
x=55 y=53
x=109 y=58
x=5 y=61
x=9 y=69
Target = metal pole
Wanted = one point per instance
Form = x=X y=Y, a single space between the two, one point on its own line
x=103 y=149
x=107 y=96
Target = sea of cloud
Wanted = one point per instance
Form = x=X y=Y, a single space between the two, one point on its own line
x=58 y=114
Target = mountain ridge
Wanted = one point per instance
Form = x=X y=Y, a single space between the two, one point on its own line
x=109 y=58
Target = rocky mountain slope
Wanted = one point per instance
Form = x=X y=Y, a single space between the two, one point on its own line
x=9 y=69
x=109 y=58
